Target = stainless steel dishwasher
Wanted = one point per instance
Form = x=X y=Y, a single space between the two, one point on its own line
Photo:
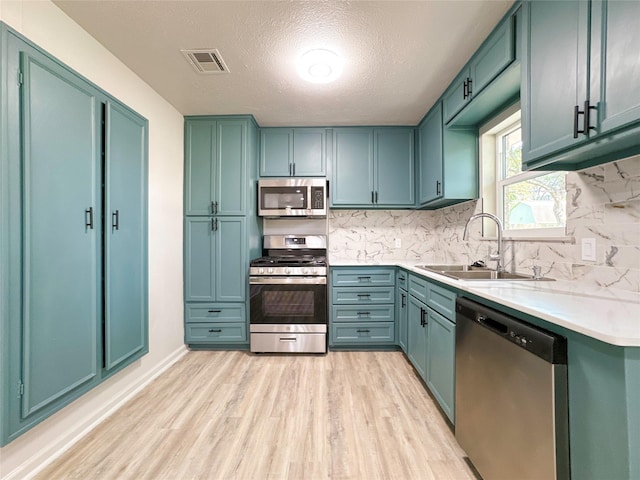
x=511 y=396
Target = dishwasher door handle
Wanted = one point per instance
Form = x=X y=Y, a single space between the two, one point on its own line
x=493 y=325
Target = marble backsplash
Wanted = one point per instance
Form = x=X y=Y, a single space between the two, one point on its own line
x=603 y=202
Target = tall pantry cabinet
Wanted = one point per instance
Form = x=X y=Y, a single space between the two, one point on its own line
x=221 y=228
x=73 y=239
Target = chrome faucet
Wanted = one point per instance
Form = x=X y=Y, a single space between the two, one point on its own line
x=499 y=255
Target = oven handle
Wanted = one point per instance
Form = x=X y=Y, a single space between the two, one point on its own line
x=287 y=280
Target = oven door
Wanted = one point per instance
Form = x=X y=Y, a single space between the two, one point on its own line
x=296 y=303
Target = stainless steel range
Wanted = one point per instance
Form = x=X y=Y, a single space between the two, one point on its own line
x=288 y=307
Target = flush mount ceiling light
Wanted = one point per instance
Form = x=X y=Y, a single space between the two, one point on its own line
x=319 y=66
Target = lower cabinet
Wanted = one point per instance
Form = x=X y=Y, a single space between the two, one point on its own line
x=402 y=308
x=431 y=338
x=363 y=307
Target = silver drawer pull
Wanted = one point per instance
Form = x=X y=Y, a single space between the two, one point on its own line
x=288 y=339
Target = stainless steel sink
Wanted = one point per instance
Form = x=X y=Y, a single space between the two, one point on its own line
x=466 y=272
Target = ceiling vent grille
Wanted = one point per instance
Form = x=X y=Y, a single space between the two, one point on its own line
x=206 y=60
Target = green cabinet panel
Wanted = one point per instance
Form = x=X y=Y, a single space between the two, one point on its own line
x=352 y=167
x=363 y=276
x=215 y=166
x=379 y=333
x=441 y=343
x=495 y=54
x=298 y=152
x=417 y=335
x=61 y=235
x=448 y=162
x=373 y=167
x=215 y=259
x=125 y=322
x=215 y=312
x=402 y=309
x=363 y=313
x=362 y=295
x=208 y=333
x=580 y=106
x=442 y=300
x=73 y=308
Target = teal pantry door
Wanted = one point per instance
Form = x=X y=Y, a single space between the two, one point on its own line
x=61 y=232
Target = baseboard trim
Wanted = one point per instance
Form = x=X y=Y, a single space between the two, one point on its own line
x=37 y=463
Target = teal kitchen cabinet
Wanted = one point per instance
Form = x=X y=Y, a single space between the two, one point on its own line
x=431 y=342
x=402 y=308
x=580 y=104
x=417 y=335
x=363 y=307
x=447 y=162
x=293 y=152
x=215 y=259
x=215 y=166
x=222 y=230
x=125 y=234
x=373 y=168
x=494 y=55
x=73 y=248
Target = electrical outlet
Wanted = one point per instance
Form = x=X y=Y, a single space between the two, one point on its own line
x=398 y=243
x=589 y=249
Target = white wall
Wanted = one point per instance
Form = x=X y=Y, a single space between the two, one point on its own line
x=47 y=26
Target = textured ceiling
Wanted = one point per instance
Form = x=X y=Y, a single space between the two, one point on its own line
x=399 y=56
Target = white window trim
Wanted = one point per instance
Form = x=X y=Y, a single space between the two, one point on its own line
x=491 y=187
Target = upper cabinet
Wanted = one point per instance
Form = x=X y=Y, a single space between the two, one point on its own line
x=580 y=101
x=490 y=80
x=495 y=54
x=215 y=166
x=448 y=162
x=293 y=152
x=373 y=168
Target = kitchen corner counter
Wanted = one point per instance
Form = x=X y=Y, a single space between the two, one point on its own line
x=608 y=315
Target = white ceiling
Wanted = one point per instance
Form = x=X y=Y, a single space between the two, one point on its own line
x=399 y=55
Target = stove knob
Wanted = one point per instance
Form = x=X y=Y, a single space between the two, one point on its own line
x=261 y=271
x=305 y=271
x=287 y=270
x=270 y=270
x=313 y=270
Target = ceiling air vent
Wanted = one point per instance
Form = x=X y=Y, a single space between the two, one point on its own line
x=206 y=60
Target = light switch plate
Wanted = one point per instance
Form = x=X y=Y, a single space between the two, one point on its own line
x=589 y=249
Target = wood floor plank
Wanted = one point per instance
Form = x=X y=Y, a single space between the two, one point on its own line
x=235 y=415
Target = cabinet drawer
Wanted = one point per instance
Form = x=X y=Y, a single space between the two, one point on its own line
x=362 y=295
x=362 y=313
x=360 y=276
x=215 y=333
x=363 y=333
x=402 y=279
x=418 y=287
x=442 y=301
x=209 y=312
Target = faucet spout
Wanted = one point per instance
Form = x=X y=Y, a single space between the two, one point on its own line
x=499 y=255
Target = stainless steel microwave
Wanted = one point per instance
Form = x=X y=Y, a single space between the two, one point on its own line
x=292 y=197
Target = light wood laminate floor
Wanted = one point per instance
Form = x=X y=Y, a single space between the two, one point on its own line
x=235 y=415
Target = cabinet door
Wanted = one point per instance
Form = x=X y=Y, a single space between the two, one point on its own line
x=394 y=163
x=402 y=316
x=430 y=141
x=230 y=173
x=125 y=322
x=455 y=96
x=615 y=76
x=309 y=152
x=417 y=331
x=276 y=152
x=554 y=76
x=199 y=241
x=200 y=164
x=441 y=339
x=61 y=233
x=493 y=57
x=352 y=167
x=230 y=265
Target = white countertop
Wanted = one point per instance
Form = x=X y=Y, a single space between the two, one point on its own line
x=609 y=315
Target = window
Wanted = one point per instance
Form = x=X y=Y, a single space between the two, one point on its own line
x=530 y=204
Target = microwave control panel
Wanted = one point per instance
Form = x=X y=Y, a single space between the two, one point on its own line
x=317 y=198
